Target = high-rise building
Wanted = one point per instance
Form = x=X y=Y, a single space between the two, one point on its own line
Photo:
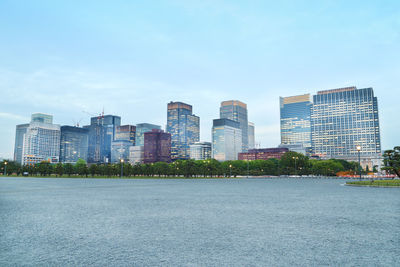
x=251 y=133
x=120 y=150
x=200 y=151
x=157 y=146
x=341 y=120
x=136 y=155
x=19 y=141
x=41 y=142
x=226 y=139
x=296 y=121
x=42 y=117
x=126 y=132
x=101 y=134
x=184 y=128
x=263 y=153
x=237 y=111
x=142 y=128
x=73 y=144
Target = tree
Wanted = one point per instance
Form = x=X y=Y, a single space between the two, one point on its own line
x=69 y=169
x=93 y=169
x=81 y=167
x=391 y=160
x=59 y=169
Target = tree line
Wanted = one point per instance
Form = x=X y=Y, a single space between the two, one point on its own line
x=291 y=163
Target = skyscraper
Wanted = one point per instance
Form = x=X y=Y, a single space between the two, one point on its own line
x=237 y=111
x=251 y=133
x=73 y=144
x=157 y=146
x=226 y=139
x=19 y=141
x=184 y=128
x=126 y=132
x=42 y=117
x=341 y=120
x=41 y=141
x=200 y=151
x=296 y=121
x=141 y=128
x=101 y=134
x=120 y=150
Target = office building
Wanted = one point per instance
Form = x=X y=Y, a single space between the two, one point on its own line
x=120 y=150
x=237 y=111
x=263 y=153
x=341 y=120
x=226 y=139
x=42 y=117
x=184 y=128
x=295 y=113
x=299 y=148
x=74 y=143
x=136 y=155
x=142 y=128
x=102 y=131
x=126 y=132
x=157 y=146
x=200 y=151
x=41 y=141
x=251 y=133
x=19 y=141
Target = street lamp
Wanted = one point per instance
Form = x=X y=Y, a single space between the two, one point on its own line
x=122 y=167
x=295 y=164
x=230 y=170
x=359 y=160
x=5 y=168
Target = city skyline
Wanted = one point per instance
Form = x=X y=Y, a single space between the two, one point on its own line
x=131 y=59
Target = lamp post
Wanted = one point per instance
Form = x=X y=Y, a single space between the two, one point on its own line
x=230 y=170
x=247 y=168
x=295 y=164
x=5 y=168
x=122 y=167
x=359 y=160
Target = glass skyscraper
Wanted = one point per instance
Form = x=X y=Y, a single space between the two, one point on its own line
x=226 y=139
x=19 y=141
x=73 y=144
x=157 y=146
x=126 y=132
x=141 y=128
x=295 y=114
x=251 y=133
x=237 y=111
x=342 y=119
x=184 y=128
x=200 y=151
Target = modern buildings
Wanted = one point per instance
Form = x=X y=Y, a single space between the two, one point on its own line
x=74 y=143
x=295 y=113
x=19 y=141
x=136 y=155
x=157 y=146
x=142 y=128
x=41 y=140
x=101 y=134
x=200 y=151
x=226 y=139
x=237 y=111
x=251 y=133
x=341 y=120
x=299 y=148
x=126 y=132
x=120 y=150
x=263 y=153
x=184 y=128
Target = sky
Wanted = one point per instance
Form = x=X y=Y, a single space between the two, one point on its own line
x=130 y=58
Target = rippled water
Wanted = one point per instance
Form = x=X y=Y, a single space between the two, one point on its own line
x=268 y=222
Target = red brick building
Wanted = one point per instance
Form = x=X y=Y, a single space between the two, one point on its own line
x=263 y=153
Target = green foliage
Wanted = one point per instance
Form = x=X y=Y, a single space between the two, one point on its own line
x=391 y=160
x=394 y=183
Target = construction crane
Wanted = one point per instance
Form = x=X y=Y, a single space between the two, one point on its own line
x=100 y=116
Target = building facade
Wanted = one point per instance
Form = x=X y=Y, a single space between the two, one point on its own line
x=120 y=150
x=126 y=132
x=237 y=111
x=341 y=120
x=251 y=133
x=74 y=143
x=19 y=141
x=101 y=134
x=226 y=139
x=200 y=151
x=142 y=128
x=157 y=146
x=42 y=117
x=136 y=155
x=263 y=153
x=184 y=128
x=295 y=120
x=41 y=143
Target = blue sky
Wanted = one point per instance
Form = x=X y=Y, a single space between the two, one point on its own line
x=133 y=57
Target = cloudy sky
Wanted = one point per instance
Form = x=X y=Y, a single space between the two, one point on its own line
x=70 y=58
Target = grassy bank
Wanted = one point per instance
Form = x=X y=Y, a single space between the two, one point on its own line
x=117 y=177
x=376 y=183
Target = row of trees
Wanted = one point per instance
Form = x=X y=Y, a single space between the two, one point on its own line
x=291 y=163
